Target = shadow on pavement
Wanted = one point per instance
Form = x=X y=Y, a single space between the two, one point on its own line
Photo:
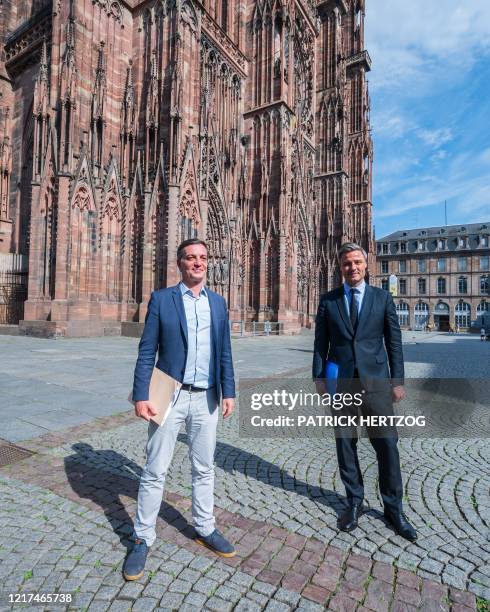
x=111 y=492
x=270 y=474
x=88 y=475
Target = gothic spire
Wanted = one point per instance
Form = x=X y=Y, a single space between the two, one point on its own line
x=68 y=68
x=41 y=87
x=129 y=100
x=152 y=100
x=43 y=67
x=101 y=61
x=100 y=84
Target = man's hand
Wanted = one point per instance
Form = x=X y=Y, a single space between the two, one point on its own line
x=398 y=393
x=228 y=407
x=321 y=386
x=145 y=410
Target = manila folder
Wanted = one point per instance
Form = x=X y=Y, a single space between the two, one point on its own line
x=163 y=393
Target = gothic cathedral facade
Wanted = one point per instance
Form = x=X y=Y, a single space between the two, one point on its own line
x=127 y=126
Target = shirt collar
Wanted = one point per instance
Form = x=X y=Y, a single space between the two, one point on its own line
x=361 y=288
x=185 y=289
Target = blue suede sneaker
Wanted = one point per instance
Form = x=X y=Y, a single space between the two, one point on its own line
x=217 y=543
x=134 y=566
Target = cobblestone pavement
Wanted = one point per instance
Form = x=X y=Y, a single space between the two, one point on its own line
x=277 y=500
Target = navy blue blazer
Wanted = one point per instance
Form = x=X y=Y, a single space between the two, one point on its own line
x=166 y=331
x=376 y=343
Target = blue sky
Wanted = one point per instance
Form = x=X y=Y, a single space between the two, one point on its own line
x=430 y=111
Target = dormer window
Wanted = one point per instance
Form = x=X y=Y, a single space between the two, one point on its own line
x=421 y=245
x=441 y=243
x=385 y=248
x=484 y=241
x=403 y=247
x=462 y=242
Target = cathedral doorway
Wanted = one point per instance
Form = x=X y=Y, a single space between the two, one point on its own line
x=218 y=241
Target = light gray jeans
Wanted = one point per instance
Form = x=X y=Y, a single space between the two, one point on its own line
x=198 y=410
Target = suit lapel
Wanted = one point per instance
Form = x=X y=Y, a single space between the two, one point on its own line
x=343 y=310
x=179 y=306
x=213 y=307
x=367 y=305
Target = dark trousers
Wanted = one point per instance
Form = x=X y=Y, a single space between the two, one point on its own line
x=384 y=442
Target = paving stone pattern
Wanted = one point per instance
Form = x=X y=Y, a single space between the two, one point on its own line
x=295 y=484
x=66 y=512
x=78 y=548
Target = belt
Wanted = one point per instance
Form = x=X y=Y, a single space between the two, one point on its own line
x=192 y=388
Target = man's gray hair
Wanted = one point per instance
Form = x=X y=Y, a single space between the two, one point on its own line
x=347 y=247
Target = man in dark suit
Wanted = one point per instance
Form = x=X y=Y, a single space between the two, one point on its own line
x=188 y=326
x=357 y=328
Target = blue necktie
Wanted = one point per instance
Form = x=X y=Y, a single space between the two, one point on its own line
x=354 y=308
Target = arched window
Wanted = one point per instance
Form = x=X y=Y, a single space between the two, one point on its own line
x=441 y=285
x=403 y=313
x=421 y=315
x=358 y=18
x=187 y=229
x=462 y=284
x=277 y=47
x=482 y=314
x=462 y=312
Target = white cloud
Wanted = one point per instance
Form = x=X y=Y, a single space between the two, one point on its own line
x=465 y=185
x=478 y=201
x=439 y=155
x=485 y=156
x=390 y=124
x=416 y=43
x=427 y=151
x=435 y=138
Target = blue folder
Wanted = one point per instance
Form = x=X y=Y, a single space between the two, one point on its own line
x=331 y=376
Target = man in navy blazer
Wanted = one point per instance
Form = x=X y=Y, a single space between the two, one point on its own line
x=187 y=325
x=357 y=328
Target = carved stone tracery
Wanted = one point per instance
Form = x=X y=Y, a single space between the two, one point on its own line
x=238 y=132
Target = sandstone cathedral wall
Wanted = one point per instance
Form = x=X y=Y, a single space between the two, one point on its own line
x=128 y=126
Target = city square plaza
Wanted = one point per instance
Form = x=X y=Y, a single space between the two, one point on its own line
x=69 y=481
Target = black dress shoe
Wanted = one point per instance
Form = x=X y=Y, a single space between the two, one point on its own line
x=348 y=519
x=400 y=524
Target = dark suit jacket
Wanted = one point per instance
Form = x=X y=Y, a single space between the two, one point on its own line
x=166 y=331
x=376 y=343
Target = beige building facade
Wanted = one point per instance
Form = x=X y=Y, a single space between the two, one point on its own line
x=439 y=276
